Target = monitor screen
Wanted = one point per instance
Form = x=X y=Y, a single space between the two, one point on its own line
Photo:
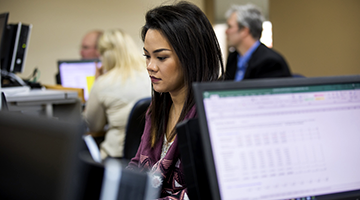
x=78 y=74
x=281 y=139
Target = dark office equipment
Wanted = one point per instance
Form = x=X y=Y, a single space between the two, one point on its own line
x=92 y=173
x=135 y=127
x=15 y=46
x=4 y=105
x=136 y=185
x=290 y=138
x=39 y=158
x=3 y=24
x=192 y=158
x=120 y=183
x=110 y=180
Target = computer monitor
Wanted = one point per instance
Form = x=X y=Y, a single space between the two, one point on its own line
x=39 y=158
x=192 y=159
x=13 y=53
x=281 y=138
x=3 y=23
x=15 y=47
x=110 y=180
x=119 y=183
x=78 y=74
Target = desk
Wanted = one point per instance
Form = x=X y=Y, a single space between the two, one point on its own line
x=51 y=103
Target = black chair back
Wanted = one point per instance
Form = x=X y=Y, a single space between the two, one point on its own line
x=135 y=127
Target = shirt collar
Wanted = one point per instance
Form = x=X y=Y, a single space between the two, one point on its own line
x=251 y=50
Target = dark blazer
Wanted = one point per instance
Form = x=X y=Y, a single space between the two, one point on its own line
x=264 y=63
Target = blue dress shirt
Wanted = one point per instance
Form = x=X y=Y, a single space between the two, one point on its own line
x=243 y=62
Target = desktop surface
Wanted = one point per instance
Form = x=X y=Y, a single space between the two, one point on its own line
x=281 y=139
x=25 y=94
x=64 y=105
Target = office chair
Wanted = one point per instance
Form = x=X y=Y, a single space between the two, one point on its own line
x=135 y=127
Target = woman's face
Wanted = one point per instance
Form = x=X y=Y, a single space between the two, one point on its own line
x=162 y=63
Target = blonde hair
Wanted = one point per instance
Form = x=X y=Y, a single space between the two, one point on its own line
x=119 y=52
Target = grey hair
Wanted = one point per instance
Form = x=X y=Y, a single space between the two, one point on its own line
x=249 y=16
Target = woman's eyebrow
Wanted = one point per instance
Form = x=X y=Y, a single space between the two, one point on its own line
x=157 y=50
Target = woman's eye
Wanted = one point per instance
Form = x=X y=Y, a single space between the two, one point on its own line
x=161 y=58
x=146 y=56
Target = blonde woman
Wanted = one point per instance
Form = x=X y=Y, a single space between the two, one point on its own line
x=124 y=80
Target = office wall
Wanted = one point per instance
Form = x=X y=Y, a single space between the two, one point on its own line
x=58 y=26
x=318 y=37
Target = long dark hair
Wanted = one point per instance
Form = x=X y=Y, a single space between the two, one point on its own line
x=193 y=39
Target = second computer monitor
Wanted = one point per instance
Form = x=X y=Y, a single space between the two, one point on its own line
x=282 y=138
x=78 y=74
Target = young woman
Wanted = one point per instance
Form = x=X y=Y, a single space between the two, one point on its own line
x=180 y=47
x=115 y=92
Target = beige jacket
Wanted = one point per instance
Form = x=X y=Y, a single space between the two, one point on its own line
x=110 y=103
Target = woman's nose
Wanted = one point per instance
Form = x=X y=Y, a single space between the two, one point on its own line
x=151 y=65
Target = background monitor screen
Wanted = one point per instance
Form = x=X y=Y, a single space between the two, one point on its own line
x=78 y=74
x=282 y=139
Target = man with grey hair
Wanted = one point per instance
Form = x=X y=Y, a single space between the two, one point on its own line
x=88 y=50
x=251 y=59
x=89 y=45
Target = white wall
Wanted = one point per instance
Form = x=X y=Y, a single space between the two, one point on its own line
x=318 y=38
x=58 y=26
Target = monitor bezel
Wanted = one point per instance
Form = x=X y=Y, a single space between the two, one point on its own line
x=77 y=61
x=4 y=16
x=200 y=88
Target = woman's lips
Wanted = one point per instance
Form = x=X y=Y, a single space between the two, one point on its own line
x=154 y=79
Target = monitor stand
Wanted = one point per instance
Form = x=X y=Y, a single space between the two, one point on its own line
x=11 y=83
x=9 y=79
